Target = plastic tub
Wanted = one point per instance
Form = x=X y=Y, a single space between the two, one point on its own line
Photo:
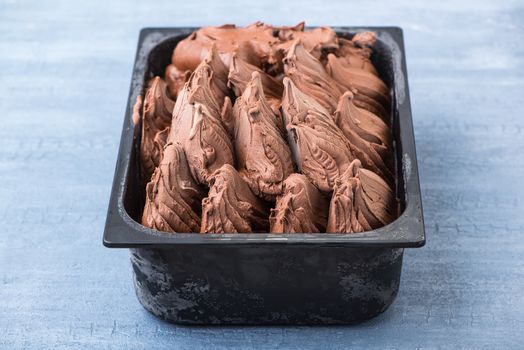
x=191 y=278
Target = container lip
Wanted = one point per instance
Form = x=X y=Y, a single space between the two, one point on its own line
x=407 y=231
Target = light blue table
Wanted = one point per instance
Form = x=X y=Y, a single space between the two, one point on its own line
x=65 y=68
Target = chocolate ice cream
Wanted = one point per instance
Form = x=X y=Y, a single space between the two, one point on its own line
x=254 y=44
x=310 y=76
x=368 y=135
x=156 y=120
x=175 y=79
x=240 y=75
x=315 y=41
x=281 y=118
x=321 y=150
x=231 y=207
x=197 y=125
x=373 y=94
x=173 y=197
x=263 y=156
x=361 y=201
x=300 y=208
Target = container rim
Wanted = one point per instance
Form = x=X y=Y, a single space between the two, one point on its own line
x=122 y=231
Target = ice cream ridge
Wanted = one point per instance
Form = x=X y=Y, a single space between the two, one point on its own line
x=267 y=129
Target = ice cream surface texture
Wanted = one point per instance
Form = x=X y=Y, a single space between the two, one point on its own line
x=268 y=129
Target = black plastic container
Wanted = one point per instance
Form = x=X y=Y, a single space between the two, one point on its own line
x=266 y=278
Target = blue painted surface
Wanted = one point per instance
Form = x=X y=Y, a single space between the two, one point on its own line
x=64 y=75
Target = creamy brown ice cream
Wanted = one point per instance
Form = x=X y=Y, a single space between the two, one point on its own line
x=265 y=117
x=310 y=76
x=197 y=125
x=156 y=120
x=173 y=197
x=259 y=44
x=263 y=156
x=315 y=41
x=372 y=92
x=368 y=135
x=219 y=75
x=361 y=201
x=240 y=74
x=253 y=44
x=321 y=150
x=175 y=79
x=358 y=57
x=300 y=208
x=231 y=207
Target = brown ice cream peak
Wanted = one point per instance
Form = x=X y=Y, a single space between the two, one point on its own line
x=373 y=93
x=156 y=117
x=321 y=38
x=231 y=207
x=368 y=135
x=218 y=79
x=203 y=88
x=240 y=74
x=300 y=209
x=175 y=80
x=365 y=39
x=316 y=41
x=263 y=156
x=319 y=147
x=172 y=196
x=253 y=43
x=158 y=106
x=361 y=201
x=310 y=76
x=357 y=57
x=198 y=127
x=295 y=101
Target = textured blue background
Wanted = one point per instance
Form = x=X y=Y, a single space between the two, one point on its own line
x=65 y=68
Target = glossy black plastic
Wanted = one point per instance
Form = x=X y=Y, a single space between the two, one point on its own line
x=266 y=278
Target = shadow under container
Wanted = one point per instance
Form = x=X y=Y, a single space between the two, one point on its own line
x=263 y=278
